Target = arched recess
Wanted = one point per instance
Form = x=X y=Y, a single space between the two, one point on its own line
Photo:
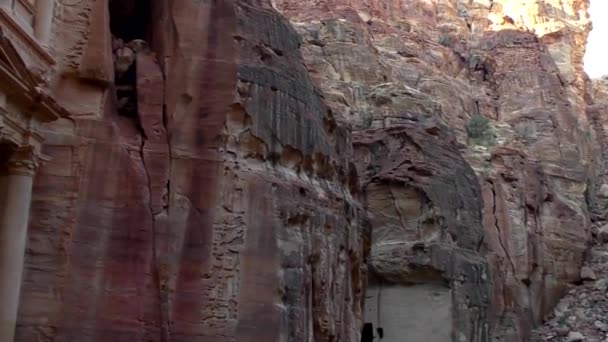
x=408 y=298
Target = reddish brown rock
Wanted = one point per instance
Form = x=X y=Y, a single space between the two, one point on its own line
x=221 y=208
x=225 y=175
x=385 y=65
x=425 y=210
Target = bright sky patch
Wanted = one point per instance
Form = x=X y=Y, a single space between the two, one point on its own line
x=596 y=58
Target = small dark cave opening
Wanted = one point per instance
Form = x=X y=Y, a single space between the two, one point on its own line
x=130 y=25
x=131 y=19
x=126 y=92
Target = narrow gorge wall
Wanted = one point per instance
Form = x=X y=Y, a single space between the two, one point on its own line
x=232 y=169
x=201 y=190
x=438 y=92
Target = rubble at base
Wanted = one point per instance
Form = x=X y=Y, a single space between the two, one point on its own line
x=583 y=312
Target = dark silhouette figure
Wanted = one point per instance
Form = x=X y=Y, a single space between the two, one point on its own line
x=367 y=334
x=380 y=332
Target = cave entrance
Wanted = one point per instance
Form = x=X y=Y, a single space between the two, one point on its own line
x=408 y=313
x=131 y=19
x=130 y=24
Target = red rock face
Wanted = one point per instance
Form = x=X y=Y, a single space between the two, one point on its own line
x=537 y=195
x=222 y=210
x=231 y=176
x=388 y=65
x=425 y=185
x=597 y=100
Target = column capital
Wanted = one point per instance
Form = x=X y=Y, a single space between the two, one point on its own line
x=24 y=161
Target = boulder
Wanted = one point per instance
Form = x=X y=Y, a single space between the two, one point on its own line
x=603 y=192
x=575 y=336
x=587 y=273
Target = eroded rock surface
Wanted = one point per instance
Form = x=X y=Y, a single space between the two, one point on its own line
x=425 y=210
x=232 y=168
x=216 y=203
x=388 y=68
x=582 y=312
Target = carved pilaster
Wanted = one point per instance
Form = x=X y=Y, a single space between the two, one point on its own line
x=44 y=21
x=14 y=217
x=24 y=161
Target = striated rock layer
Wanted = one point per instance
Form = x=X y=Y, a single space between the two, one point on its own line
x=222 y=208
x=437 y=90
x=227 y=175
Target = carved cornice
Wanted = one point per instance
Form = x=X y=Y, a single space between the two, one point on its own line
x=28 y=5
x=8 y=134
x=23 y=86
x=24 y=161
x=26 y=40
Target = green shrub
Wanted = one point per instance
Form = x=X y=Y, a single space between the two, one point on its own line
x=479 y=131
x=445 y=41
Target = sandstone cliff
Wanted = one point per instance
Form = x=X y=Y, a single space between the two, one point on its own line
x=231 y=169
x=425 y=84
x=217 y=206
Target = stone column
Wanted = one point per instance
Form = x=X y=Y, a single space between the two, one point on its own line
x=43 y=21
x=13 y=235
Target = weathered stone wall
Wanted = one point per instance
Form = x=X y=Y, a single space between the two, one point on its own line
x=389 y=67
x=410 y=313
x=596 y=98
x=225 y=209
x=236 y=203
x=425 y=211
